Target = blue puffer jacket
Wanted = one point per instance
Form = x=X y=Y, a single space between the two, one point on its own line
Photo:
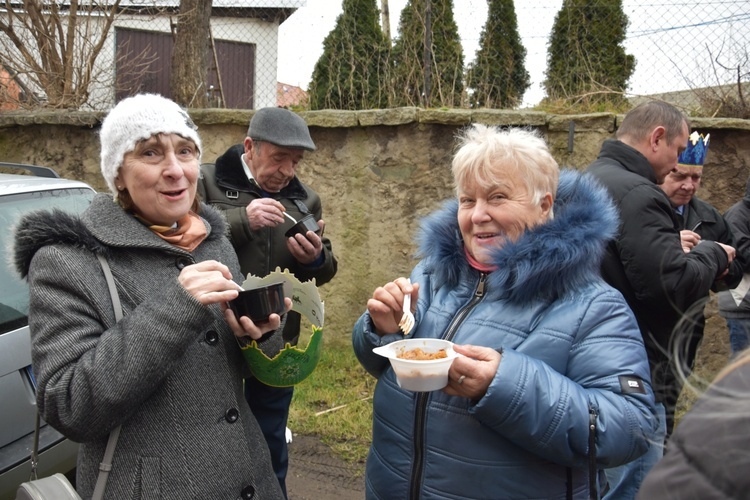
x=571 y=349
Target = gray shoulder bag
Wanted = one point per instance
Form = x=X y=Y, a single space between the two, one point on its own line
x=57 y=486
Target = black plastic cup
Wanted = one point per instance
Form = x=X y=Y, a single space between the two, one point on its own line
x=259 y=303
x=305 y=224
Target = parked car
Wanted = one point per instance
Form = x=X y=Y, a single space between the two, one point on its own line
x=20 y=194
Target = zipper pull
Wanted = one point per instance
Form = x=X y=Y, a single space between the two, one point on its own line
x=480 y=287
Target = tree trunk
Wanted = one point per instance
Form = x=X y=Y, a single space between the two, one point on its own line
x=385 y=19
x=190 y=56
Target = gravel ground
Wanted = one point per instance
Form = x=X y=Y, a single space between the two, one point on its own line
x=316 y=473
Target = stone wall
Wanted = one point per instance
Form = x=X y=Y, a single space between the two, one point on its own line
x=377 y=172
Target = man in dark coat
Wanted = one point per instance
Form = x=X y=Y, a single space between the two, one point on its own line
x=646 y=261
x=734 y=304
x=698 y=221
x=256 y=186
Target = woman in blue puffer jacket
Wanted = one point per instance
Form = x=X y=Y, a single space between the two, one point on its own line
x=554 y=383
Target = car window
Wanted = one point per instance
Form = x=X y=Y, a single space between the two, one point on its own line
x=14 y=294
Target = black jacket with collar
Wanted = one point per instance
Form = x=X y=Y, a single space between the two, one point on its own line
x=703 y=218
x=646 y=261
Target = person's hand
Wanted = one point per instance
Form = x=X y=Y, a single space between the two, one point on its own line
x=385 y=306
x=731 y=252
x=264 y=212
x=306 y=248
x=689 y=239
x=471 y=374
x=209 y=282
x=244 y=327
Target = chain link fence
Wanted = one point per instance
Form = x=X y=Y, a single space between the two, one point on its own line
x=262 y=53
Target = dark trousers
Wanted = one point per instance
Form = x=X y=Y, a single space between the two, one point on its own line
x=270 y=405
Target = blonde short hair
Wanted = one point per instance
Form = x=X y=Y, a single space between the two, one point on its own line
x=487 y=154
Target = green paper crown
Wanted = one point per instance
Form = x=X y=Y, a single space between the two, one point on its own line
x=291 y=365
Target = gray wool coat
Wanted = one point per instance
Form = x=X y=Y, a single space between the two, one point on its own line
x=170 y=372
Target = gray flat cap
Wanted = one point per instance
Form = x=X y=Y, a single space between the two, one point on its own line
x=281 y=127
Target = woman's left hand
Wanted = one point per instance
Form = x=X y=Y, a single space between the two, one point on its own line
x=471 y=374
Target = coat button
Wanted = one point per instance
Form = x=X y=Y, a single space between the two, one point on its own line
x=182 y=262
x=232 y=415
x=248 y=492
x=212 y=338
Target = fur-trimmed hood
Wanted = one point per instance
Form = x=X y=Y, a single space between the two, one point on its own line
x=102 y=225
x=547 y=261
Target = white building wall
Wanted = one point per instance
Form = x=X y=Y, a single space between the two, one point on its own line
x=263 y=34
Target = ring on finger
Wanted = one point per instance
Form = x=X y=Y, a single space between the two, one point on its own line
x=461 y=379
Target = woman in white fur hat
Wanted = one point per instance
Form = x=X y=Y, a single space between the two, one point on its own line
x=170 y=372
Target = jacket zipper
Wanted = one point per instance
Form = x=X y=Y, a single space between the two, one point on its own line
x=593 y=486
x=421 y=403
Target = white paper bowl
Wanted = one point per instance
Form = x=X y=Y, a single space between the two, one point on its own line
x=419 y=376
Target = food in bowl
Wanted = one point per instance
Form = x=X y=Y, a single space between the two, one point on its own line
x=418 y=354
x=420 y=375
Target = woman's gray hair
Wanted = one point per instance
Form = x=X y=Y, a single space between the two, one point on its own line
x=487 y=154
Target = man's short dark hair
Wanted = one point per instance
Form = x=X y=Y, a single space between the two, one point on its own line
x=642 y=119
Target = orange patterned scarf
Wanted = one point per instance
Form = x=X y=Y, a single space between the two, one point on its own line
x=189 y=233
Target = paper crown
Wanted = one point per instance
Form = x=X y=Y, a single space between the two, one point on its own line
x=695 y=153
x=292 y=364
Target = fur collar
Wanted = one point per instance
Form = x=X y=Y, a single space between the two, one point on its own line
x=547 y=262
x=101 y=226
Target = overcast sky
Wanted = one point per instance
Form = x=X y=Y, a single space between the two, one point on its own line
x=669 y=39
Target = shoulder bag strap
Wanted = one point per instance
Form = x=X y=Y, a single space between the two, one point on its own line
x=106 y=465
x=35 y=450
x=301 y=206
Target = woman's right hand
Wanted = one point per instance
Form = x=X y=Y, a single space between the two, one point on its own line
x=209 y=282
x=386 y=305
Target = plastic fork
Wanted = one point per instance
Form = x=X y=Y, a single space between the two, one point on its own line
x=407 y=320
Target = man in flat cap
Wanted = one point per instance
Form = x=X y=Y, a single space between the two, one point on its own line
x=253 y=184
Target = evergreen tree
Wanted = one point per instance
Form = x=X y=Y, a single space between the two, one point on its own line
x=498 y=77
x=427 y=78
x=352 y=72
x=586 y=59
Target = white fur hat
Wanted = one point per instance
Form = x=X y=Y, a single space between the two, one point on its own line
x=135 y=119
